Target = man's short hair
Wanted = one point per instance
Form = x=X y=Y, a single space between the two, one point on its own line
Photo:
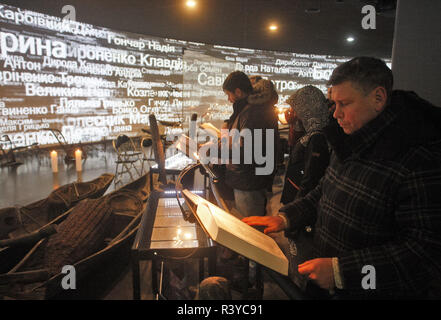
x=365 y=73
x=238 y=79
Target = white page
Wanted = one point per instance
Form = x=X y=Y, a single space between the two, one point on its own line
x=238 y=236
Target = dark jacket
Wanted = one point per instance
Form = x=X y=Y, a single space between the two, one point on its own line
x=310 y=154
x=258 y=113
x=379 y=202
x=307 y=165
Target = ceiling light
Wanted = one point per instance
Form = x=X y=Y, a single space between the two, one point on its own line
x=350 y=39
x=190 y=3
x=273 y=27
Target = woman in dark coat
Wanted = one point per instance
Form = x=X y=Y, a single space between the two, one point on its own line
x=308 y=161
x=310 y=154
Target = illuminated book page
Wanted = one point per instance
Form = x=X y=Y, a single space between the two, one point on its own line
x=238 y=236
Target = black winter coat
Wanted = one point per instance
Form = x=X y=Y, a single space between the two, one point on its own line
x=307 y=165
x=379 y=202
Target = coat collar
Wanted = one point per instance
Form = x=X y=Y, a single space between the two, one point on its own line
x=345 y=145
x=407 y=121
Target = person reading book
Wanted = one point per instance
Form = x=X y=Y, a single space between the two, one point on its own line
x=253 y=112
x=377 y=209
x=252 y=122
x=228 y=231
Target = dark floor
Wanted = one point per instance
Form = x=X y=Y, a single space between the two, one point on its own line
x=34 y=180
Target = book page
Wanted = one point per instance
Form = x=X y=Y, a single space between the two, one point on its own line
x=242 y=230
x=238 y=236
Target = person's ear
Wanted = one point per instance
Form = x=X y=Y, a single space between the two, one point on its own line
x=379 y=98
x=329 y=93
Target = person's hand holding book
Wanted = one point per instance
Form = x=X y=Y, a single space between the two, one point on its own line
x=272 y=223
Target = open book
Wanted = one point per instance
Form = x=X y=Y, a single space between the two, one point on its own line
x=209 y=128
x=236 y=235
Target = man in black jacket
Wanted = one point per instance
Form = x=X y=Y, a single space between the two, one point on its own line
x=253 y=112
x=377 y=210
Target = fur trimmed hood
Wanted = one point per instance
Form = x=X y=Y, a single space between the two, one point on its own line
x=264 y=92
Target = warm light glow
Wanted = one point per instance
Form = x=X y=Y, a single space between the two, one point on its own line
x=281 y=114
x=282 y=118
x=190 y=3
x=54 y=161
x=273 y=27
x=78 y=156
x=187 y=235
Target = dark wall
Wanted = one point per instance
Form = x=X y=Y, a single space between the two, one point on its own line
x=416 y=62
x=238 y=23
